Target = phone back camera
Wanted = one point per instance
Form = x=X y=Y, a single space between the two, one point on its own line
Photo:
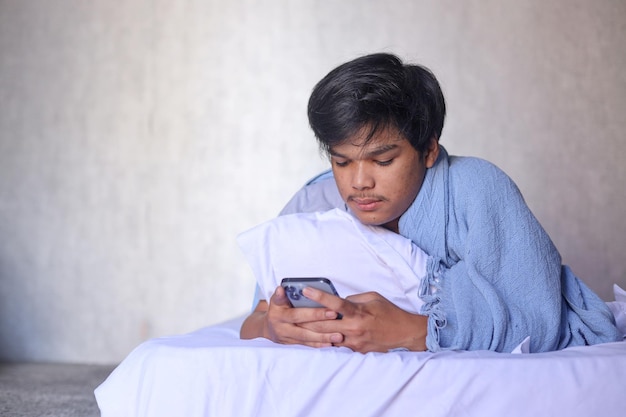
x=292 y=293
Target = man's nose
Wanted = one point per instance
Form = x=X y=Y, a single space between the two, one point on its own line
x=362 y=178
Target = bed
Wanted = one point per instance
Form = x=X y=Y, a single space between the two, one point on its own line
x=211 y=372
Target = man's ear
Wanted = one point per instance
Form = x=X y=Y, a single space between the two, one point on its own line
x=432 y=153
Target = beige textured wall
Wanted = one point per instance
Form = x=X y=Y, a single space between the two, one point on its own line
x=137 y=138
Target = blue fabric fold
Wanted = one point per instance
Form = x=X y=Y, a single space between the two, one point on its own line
x=496 y=275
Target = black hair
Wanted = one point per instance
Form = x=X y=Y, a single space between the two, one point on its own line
x=376 y=92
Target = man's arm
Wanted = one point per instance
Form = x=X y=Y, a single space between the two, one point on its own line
x=254 y=325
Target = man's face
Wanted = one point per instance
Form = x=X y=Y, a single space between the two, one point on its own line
x=379 y=179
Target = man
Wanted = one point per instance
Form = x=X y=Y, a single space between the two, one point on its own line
x=495 y=277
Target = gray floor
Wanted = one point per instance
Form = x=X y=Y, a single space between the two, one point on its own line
x=50 y=390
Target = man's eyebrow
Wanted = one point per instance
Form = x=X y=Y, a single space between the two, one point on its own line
x=374 y=152
x=332 y=152
x=382 y=149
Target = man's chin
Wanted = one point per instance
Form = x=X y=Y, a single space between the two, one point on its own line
x=376 y=221
x=369 y=220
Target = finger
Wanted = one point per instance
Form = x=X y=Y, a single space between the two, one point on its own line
x=279 y=298
x=330 y=301
x=307 y=315
x=301 y=335
x=333 y=328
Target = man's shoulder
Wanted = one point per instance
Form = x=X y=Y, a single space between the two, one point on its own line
x=322 y=176
x=475 y=170
x=476 y=182
x=318 y=194
x=465 y=163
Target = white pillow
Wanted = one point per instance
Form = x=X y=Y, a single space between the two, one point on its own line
x=335 y=245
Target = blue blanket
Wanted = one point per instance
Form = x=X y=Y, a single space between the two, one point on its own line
x=497 y=275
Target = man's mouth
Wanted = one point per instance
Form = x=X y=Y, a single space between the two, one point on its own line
x=366 y=203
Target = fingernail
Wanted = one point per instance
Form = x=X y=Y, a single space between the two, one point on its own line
x=336 y=338
x=330 y=314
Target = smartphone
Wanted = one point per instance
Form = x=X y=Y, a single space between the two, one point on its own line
x=293 y=288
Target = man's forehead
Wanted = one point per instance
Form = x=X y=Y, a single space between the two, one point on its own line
x=377 y=144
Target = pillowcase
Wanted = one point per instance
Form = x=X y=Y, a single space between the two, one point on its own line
x=334 y=244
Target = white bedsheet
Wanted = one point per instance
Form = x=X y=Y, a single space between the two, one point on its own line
x=211 y=372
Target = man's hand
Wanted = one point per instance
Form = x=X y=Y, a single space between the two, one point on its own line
x=282 y=323
x=370 y=323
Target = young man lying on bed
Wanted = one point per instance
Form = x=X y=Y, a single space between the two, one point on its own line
x=496 y=275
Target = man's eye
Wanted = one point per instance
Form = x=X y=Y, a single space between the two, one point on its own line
x=341 y=163
x=384 y=163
